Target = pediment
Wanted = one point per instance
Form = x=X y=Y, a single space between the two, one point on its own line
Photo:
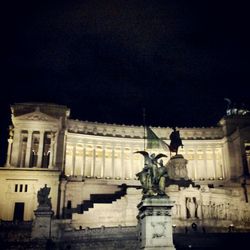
x=36 y=116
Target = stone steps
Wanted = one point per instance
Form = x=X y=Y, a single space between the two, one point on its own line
x=118 y=213
x=101 y=198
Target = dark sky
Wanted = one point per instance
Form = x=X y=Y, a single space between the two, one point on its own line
x=106 y=60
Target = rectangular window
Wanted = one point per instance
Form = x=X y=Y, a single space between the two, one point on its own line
x=16 y=187
x=26 y=188
x=21 y=188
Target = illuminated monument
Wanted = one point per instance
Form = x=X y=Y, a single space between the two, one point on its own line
x=154 y=218
x=91 y=170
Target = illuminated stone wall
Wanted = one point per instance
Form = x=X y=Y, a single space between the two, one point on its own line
x=207 y=207
x=21 y=186
x=95 y=150
x=112 y=157
x=92 y=158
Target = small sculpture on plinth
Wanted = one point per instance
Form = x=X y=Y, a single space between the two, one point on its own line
x=43 y=197
x=153 y=175
x=177 y=165
x=41 y=227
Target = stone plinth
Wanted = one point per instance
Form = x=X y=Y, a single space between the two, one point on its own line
x=177 y=168
x=41 y=227
x=155 y=223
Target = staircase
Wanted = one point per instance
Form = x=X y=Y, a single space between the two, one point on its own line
x=101 y=198
x=114 y=210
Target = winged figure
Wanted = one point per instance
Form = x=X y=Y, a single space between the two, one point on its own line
x=152 y=174
x=150 y=157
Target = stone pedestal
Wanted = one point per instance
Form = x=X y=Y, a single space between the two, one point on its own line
x=41 y=227
x=155 y=223
x=177 y=168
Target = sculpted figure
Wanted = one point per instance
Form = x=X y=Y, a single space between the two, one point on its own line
x=145 y=179
x=191 y=207
x=153 y=175
x=162 y=175
x=213 y=211
x=199 y=210
x=205 y=211
x=43 y=197
x=175 y=141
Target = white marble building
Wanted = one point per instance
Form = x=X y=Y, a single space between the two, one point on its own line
x=79 y=159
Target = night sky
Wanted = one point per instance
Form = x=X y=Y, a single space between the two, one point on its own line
x=107 y=60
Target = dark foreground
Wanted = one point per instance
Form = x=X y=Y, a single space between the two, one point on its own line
x=15 y=237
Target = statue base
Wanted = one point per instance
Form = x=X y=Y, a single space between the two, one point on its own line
x=41 y=227
x=155 y=223
x=177 y=168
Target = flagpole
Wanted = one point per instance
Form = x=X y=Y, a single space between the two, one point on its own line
x=144 y=127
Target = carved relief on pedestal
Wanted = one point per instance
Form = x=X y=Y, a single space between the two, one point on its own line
x=177 y=168
x=159 y=229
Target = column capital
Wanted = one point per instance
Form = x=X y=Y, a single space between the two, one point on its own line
x=10 y=140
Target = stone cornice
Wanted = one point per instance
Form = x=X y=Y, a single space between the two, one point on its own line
x=131 y=131
x=31 y=170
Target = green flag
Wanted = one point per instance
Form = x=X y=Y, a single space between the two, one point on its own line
x=153 y=141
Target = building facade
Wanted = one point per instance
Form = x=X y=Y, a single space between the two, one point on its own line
x=91 y=170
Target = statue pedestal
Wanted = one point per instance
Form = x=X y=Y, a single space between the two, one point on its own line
x=177 y=168
x=155 y=223
x=41 y=227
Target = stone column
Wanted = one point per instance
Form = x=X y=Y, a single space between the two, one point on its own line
x=195 y=164
x=94 y=161
x=130 y=164
x=103 y=161
x=83 y=160
x=73 y=159
x=133 y=171
x=28 y=149
x=220 y=164
x=16 y=148
x=214 y=163
x=155 y=223
x=122 y=163
x=113 y=161
x=10 y=141
x=205 y=163
x=52 y=150
x=40 y=149
x=223 y=164
x=55 y=139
